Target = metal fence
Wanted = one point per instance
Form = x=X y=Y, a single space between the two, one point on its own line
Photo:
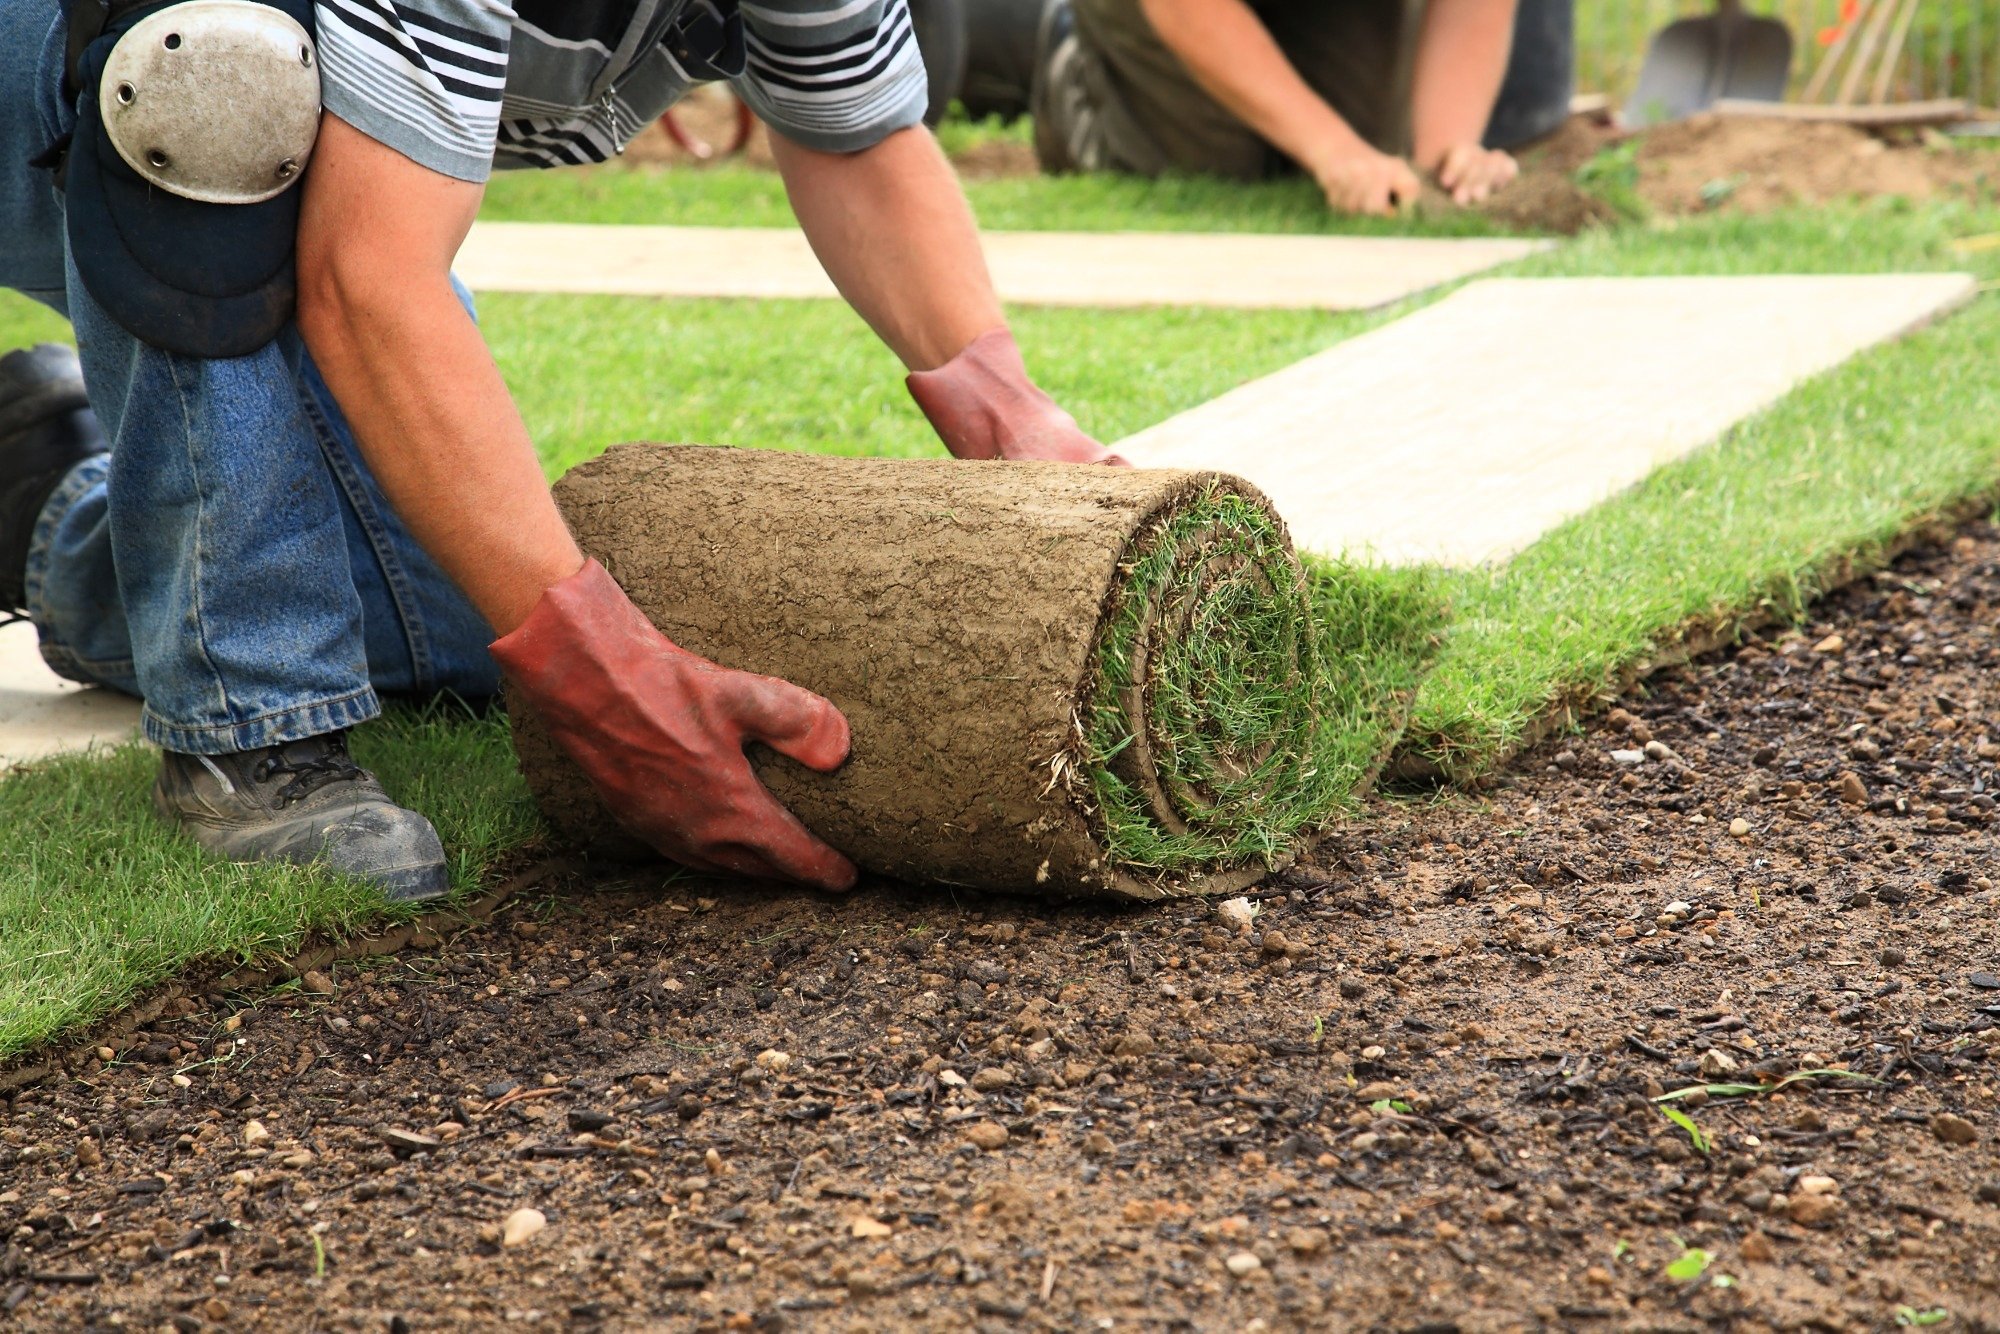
x=1953 y=47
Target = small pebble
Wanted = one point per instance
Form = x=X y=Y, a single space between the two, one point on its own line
x=1243 y=1263
x=1954 y=1129
x=992 y=1079
x=522 y=1226
x=317 y=983
x=987 y=1135
x=1739 y=827
x=1628 y=758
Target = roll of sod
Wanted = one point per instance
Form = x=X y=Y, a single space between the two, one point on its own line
x=1060 y=679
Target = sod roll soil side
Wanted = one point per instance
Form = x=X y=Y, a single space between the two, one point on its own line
x=1060 y=679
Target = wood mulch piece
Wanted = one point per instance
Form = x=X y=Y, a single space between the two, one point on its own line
x=1414 y=1093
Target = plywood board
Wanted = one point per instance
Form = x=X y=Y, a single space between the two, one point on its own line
x=1029 y=268
x=42 y=714
x=1464 y=431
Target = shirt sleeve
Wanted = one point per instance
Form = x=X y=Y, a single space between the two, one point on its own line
x=833 y=75
x=424 y=77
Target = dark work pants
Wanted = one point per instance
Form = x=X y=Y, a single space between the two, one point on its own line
x=1110 y=96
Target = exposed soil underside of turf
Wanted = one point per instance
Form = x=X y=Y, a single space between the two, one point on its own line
x=1165 y=1097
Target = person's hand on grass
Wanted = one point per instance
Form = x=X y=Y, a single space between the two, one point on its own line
x=1471 y=174
x=1365 y=181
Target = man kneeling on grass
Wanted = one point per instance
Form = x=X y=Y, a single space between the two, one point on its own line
x=257 y=515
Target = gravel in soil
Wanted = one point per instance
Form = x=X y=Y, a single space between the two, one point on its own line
x=1414 y=1090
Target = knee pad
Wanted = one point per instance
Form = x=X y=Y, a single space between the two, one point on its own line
x=195 y=122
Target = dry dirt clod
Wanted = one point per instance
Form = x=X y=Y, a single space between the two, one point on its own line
x=1813 y=1210
x=522 y=1226
x=1757 y=1249
x=1853 y=791
x=869 y=1229
x=1237 y=914
x=992 y=1079
x=316 y=983
x=987 y=1135
x=255 y=1134
x=1307 y=1240
x=1954 y=1130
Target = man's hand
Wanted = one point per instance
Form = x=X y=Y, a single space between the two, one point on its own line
x=1469 y=173
x=660 y=732
x=983 y=406
x=1365 y=181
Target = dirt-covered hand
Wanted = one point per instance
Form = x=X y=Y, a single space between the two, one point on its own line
x=1470 y=174
x=1367 y=182
x=983 y=406
x=661 y=733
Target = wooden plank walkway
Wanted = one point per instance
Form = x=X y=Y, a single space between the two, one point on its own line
x=42 y=714
x=1029 y=268
x=1465 y=430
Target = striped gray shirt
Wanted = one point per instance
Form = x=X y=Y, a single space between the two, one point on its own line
x=464 y=86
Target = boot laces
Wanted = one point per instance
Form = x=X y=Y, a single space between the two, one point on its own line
x=307 y=773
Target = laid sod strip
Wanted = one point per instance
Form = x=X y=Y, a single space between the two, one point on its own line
x=1792 y=501
x=99 y=901
x=1060 y=680
x=734 y=195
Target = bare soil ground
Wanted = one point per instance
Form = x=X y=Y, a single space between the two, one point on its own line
x=1712 y=164
x=1413 y=1094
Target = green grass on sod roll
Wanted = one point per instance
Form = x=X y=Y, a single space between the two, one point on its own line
x=97 y=903
x=1269 y=693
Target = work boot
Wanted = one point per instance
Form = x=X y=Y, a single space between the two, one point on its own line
x=302 y=801
x=46 y=428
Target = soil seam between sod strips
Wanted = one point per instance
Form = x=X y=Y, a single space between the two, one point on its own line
x=199 y=987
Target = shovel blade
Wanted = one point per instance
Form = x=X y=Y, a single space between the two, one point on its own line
x=1694 y=62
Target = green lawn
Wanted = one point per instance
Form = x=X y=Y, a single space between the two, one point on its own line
x=96 y=904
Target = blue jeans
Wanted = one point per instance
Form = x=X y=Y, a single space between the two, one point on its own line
x=231 y=561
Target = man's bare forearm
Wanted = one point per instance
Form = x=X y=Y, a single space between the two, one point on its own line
x=895 y=234
x=1462 y=53
x=412 y=375
x=1232 y=55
